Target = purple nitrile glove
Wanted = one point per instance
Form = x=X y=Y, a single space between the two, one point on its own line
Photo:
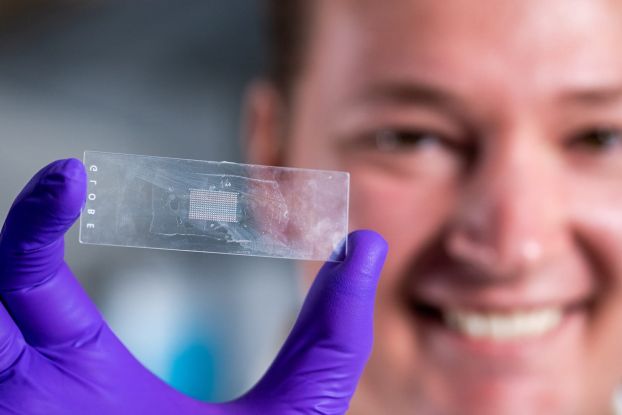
x=58 y=356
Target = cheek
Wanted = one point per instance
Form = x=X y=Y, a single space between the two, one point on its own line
x=596 y=213
x=408 y=213
x=596 y=209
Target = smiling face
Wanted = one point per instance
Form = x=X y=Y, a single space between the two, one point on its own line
x=483 y=141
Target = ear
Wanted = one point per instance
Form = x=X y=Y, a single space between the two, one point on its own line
x=263 y=124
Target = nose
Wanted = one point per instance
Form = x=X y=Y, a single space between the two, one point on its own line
x=511 y=213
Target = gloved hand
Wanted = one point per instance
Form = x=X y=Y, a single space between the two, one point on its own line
x=58 y=356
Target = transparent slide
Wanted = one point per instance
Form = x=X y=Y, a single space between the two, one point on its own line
x=221 y=207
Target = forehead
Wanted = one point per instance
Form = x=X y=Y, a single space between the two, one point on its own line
x=541 y=44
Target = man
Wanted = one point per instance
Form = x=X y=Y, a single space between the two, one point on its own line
x=483 y=139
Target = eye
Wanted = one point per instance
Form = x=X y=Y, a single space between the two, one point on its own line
x=597 y=139
x=399 y=140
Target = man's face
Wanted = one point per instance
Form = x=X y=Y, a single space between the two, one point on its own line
x=484 y=143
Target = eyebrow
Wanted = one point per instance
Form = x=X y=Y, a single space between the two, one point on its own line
x=415 y=94
x=594 y=96
x=422 y=94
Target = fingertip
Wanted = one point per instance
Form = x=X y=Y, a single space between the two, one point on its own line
x=367 y=247
x=366 y=254
x=71 y=169
x=47 y=206
x=67 y=172
x=369 y=241
x=63 y=187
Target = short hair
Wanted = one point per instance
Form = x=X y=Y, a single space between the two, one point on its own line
x=287 y=27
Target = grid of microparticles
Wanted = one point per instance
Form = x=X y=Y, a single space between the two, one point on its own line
x=213 y=205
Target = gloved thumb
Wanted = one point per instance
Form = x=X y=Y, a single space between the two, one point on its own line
x=36 y=286
x=319 y=366
x=45 y=209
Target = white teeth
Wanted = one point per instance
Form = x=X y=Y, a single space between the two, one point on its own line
x=508 y=326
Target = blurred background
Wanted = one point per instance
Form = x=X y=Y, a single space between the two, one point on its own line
x=156 y=77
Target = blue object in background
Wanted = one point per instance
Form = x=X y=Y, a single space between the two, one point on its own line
x=194 y=368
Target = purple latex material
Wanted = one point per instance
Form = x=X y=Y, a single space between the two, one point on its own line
x=58 y=356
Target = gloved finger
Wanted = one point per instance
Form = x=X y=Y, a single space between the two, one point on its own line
x=320 y=363
x=12 y=343
x=45 y=300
